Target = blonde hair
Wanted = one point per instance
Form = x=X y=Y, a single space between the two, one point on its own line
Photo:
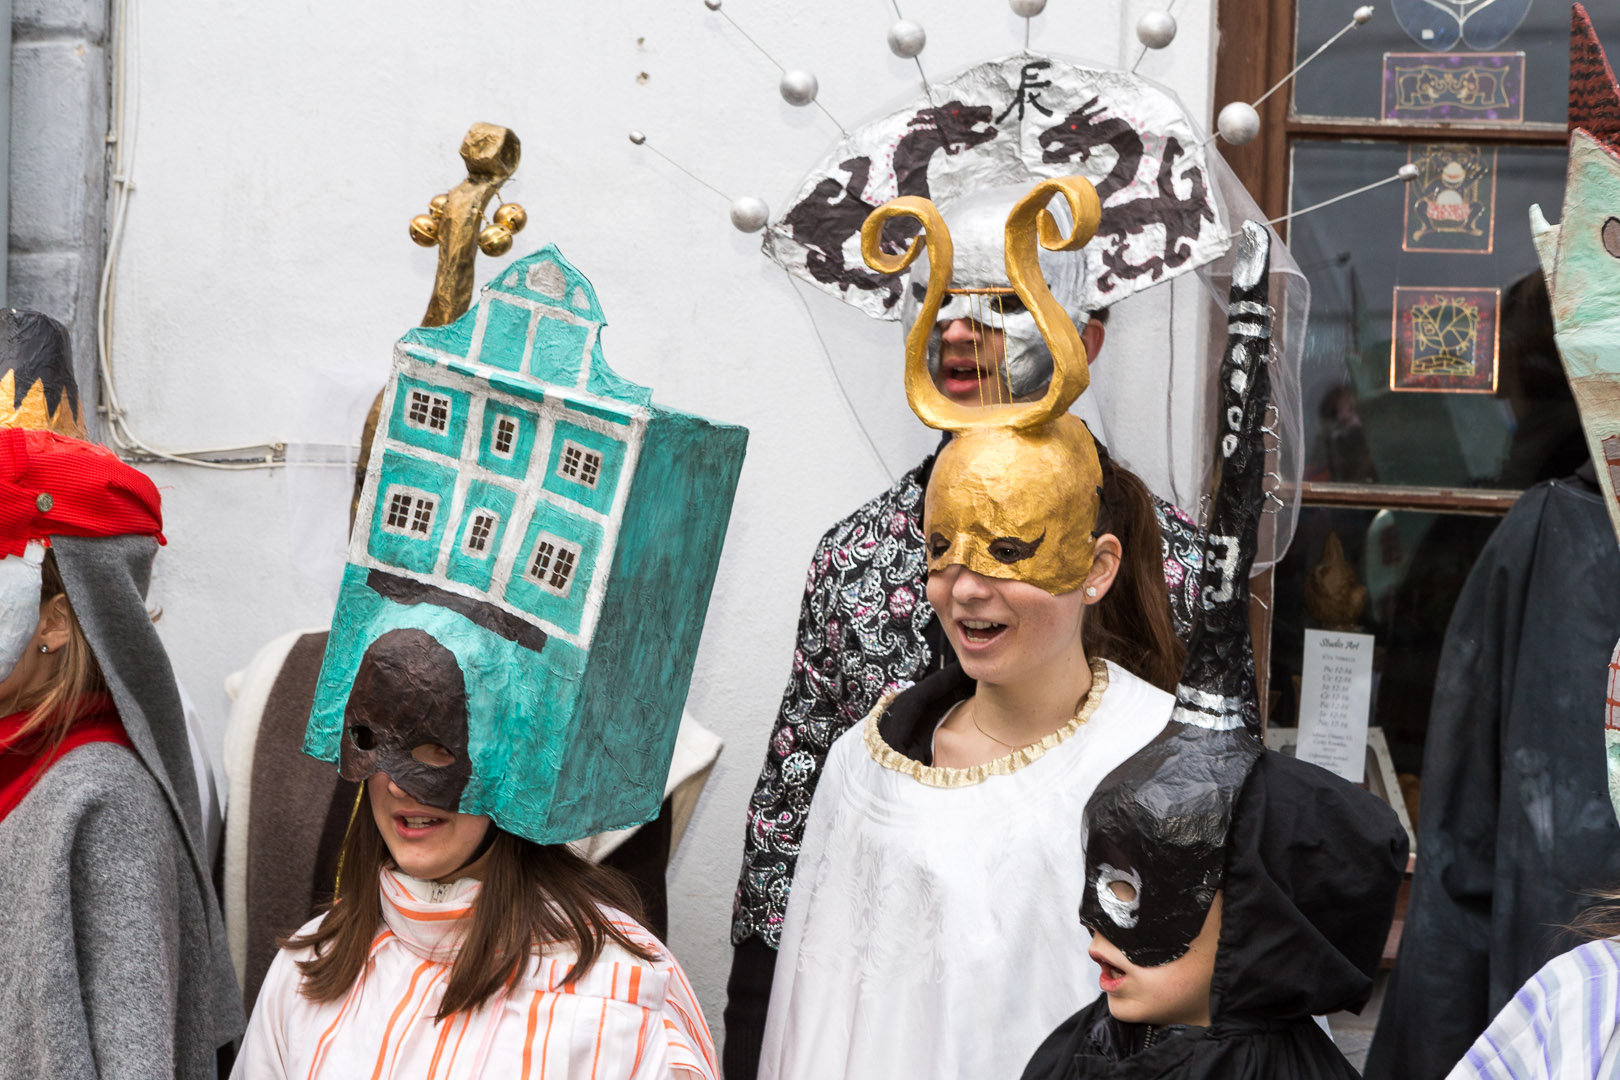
x=54 y=706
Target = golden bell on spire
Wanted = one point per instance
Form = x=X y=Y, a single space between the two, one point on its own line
x=511 y=216
x=425 y=230
x=495 y=240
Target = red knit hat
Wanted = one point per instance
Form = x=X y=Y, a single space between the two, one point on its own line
x=52 y=485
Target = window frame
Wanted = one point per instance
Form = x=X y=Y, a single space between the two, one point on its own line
x=1255 y=49
x=507 y=425
x=559 y=546
x=434 y=401
x=416 y=496
x=480 y=514
x=590 y=459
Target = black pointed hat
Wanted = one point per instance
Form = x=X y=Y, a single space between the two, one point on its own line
x=1156 y=827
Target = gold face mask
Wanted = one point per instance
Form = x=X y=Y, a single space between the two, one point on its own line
x=1016 y=504
x=1015 y=494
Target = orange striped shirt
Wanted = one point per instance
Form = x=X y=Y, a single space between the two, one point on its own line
x=624 y=1019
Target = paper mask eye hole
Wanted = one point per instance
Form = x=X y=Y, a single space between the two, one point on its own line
x=431 y=753
x=1009 y=304
x=1123 y=891
x=1611 y=236
x=1010 y=549
x=362 y=738
x=1119 y=893
x=937 y=545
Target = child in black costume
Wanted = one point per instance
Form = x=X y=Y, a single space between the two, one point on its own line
x=1232 y=893
x=1312 y=868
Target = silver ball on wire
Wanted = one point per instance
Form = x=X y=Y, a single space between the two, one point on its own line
x=712 y=5
x=1407 y=172
x=906 y=39
x=637 y=137
x=1362 y=14
x=1238 y=123
x=1027 y=9
x=799 y=87
x=1156 y=29
x=749 y=214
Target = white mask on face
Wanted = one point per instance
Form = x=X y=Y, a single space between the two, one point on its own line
x=19 y=604
x=978 y=226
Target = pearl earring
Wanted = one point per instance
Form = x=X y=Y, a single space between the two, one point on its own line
x=44 y=648
x=1091 y=590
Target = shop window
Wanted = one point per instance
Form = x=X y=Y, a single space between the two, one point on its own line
x=1432 y=390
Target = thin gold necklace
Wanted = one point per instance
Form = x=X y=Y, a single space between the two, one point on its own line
x=973 y=718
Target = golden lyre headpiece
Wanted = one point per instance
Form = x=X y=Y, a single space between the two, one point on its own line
x=1015 y=494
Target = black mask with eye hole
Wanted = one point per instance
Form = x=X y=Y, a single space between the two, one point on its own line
x=1156 y=840
x=407 y=717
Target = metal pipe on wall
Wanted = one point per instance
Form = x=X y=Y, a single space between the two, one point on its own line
x=5 y=146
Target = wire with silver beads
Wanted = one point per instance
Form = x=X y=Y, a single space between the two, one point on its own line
x=1155 y=30
x=798 y=86
x=749 y=215
x=1027 y=10
x=1239 y=121
x=1405 y=174
x=906 y=40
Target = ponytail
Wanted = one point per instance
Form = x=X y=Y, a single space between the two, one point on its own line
x=1132 y=625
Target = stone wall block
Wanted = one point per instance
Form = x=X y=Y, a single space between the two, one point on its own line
x=58 y=144
x=46 y=281
x=76 y=18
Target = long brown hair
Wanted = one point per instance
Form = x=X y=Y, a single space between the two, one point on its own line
x=533 y=896
x=1132 y=625
x=1600 y=921
x=54 y=706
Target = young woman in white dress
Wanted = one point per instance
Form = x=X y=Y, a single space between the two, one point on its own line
x=932 y=928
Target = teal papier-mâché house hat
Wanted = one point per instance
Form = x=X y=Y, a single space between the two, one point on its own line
x=529 y=570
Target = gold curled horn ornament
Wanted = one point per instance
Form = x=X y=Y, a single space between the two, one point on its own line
x=1015 y=494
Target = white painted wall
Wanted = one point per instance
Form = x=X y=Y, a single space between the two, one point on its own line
x=266 y=272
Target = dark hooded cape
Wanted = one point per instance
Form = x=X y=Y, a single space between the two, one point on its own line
x=1516 y=831
x=1312 y=868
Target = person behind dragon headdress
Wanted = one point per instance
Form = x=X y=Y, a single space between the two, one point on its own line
x=929 y=886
